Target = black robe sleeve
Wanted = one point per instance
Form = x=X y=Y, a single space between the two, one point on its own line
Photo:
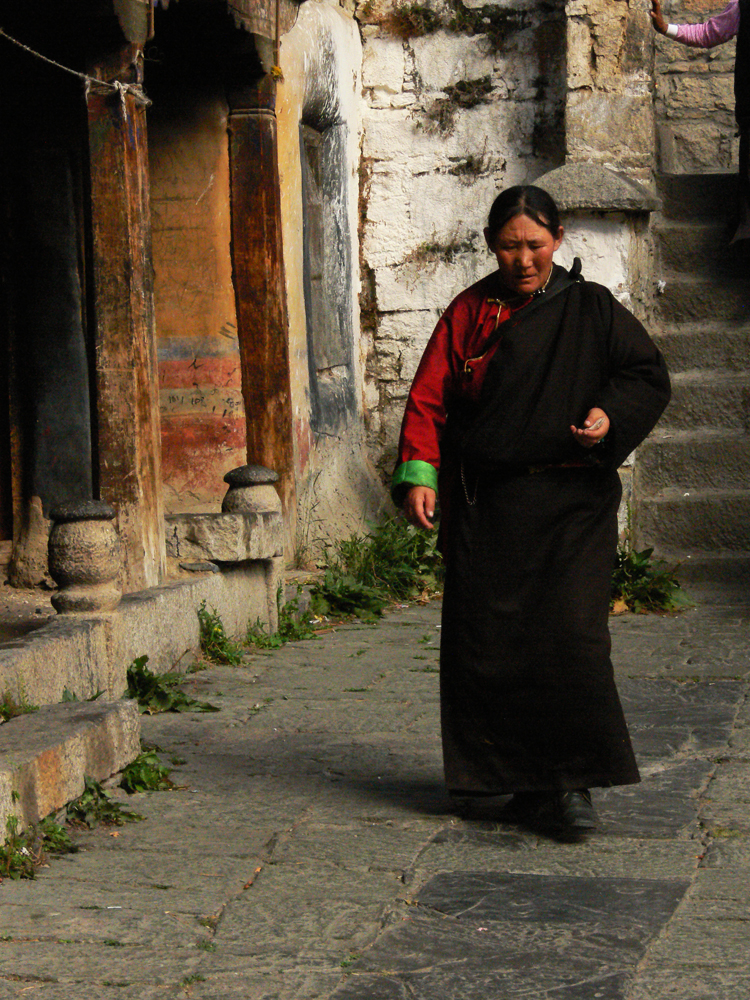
x=638 y=389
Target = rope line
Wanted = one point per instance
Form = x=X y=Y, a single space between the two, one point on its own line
x=92 y=85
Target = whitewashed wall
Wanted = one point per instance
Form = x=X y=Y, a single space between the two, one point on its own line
x=426 y=189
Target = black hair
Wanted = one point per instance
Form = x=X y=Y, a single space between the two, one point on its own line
x=524 y=199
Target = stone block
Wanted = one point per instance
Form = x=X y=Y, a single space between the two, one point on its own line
x=386 y=243
x=469 y=206
x=409 y=326
x=69 y=651
x=443 y=59
x=391 y=134
x=426 y=286
x=610 y=127
x=701 y=146
x=45 y=756
x=699 y=96
x=579 y=55
x=383 y=64
x=388 y=197
x=224 y=537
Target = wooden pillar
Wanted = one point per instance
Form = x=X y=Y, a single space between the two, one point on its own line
x=258 y=271
x=127 y=402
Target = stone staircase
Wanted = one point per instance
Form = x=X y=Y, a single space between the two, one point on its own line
x=692 y=478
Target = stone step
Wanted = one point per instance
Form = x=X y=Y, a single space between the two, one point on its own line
x=690 y=460
x=698 y=196
x=728 y=573
x=684 y=299
x=45 y=755
x=714 y=399
x=715 y=346
x=700 y=250
x=705 y=521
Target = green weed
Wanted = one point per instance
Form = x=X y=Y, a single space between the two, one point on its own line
x=412 y=20
x=641 y=583
x=464 y=94
x=157 y=693
x=293 y=625
x=71 y=696
x=23 y=853
x=146 y=774
x=10 y=708
x=215 y=645
x=55 y=838
x=495 y=24
x=95 y=807
x=433 y=250
x=363 y=574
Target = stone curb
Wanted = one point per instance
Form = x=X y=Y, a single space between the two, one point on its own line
x=45 y=756
x=88 y=653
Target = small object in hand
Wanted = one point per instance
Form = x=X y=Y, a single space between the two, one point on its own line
x=596 y=424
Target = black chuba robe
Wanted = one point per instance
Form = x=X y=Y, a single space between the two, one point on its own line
x=528 y=698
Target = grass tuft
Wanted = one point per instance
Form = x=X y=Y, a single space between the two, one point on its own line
x=293 y=625
x=363 y=574
x=11 y=708
x=643 y=584
x=215 y=645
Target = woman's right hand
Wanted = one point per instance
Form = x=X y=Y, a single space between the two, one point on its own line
x=657 y=18
x=419 y=506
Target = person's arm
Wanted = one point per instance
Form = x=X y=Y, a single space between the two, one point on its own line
x=414 y=483
x=637 y=390
x=716 y=30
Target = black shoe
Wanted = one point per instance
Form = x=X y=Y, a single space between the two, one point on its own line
x=576 y=811
x=533 y=808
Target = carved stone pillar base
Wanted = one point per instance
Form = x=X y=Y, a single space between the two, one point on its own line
x=85 y=558
x=251 y=491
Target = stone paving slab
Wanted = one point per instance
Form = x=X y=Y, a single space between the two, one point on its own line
x=311 y=851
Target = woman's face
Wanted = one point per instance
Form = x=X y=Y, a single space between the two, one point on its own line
x=524 y=253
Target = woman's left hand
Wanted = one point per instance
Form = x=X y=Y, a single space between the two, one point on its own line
x=595 y=428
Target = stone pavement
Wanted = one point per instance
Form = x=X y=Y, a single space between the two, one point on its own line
x=313 y=853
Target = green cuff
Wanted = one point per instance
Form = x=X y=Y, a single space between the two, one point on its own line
x=414 y=473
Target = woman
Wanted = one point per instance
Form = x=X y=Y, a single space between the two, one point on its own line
x=533 y=388
x=733 y=20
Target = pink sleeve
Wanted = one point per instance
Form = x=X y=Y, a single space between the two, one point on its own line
x=714 y=31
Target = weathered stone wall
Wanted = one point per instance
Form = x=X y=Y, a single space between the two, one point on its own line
x=609 y=114
x=459 y=104
x=694 y=98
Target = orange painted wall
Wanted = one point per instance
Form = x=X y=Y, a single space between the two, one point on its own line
x=202 y=414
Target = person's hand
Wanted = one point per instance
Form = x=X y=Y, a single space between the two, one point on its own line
x=595 y=427
x=657 y=18
x=419 y=506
